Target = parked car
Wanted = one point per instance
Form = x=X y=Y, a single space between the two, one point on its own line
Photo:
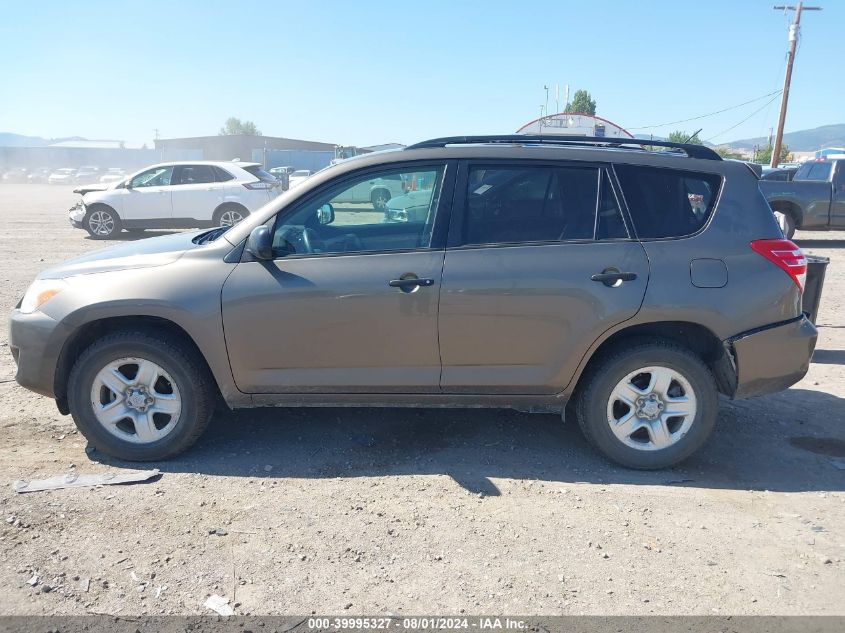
x=38 y=176
x=298 y=177
x=15 y=176
x=779 y=174
x=282 y=174
x=548 y=274
x=63 y=176
x=113 y=174
x=813 y=201
x=412 y=206
x=175 y=195
x=278 y=171
x=376 y=192
x=87 y=174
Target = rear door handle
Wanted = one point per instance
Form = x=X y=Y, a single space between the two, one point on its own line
x=611 y=278
x=410 y=282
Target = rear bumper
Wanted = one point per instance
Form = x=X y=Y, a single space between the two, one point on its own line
x=772 y=358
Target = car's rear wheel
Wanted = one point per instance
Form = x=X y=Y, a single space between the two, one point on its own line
x=650 y=405
x=230 y=214
x=101 y=222
x=380 y=198
x=140 y=396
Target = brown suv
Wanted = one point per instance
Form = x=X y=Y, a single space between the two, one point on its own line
x=523 y=272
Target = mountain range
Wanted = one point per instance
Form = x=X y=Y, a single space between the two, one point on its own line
x=799 y=141
x=8 y=139
x=802 y=140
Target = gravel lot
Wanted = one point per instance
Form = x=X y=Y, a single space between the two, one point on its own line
x=414 y=511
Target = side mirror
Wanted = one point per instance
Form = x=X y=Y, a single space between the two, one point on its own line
x=127 y=184
x=259 y=244
x=325 y=214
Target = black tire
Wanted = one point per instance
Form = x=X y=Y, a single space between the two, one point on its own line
x=597 y=385
x=101 y=215
x=379 y=199
x=227 y=210
x=179 y=360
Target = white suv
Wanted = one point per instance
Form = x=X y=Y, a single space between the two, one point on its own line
x=175 y=195
x=376 y=192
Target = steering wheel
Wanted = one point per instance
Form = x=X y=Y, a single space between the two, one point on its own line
x=311 y=242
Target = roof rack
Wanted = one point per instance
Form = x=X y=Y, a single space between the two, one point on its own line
x=692 y=151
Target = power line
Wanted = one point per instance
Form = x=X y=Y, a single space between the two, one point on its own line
x=757 y=111
x=704 y=116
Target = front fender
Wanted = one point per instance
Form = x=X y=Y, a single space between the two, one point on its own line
x=186 y=294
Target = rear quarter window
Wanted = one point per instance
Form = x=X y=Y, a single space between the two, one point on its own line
x=262 y=175
x=222 y=174
x=667 y=202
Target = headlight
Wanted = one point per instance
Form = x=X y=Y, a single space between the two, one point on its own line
x=40 y=292
x=399 y=215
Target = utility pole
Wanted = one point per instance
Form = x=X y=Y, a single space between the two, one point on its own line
x=546 y=88
x=794 y=30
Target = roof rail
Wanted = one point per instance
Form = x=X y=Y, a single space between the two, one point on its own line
x=692 y=151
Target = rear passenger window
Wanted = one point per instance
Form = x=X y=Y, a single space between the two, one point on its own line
x=530 y=204
x=196 y=174
x=667 y=202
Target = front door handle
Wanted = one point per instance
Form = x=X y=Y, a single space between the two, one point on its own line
x=612 y=278
x=410 y=282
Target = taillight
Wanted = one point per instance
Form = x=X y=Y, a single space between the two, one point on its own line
x=786 y=256
x=258 y=185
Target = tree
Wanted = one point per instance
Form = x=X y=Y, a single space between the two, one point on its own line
x=725 y=152
x=235 y=126
x=764 y=155
x=581 y=103
x=679 y=136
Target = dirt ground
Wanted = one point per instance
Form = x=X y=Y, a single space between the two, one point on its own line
x=414 y=511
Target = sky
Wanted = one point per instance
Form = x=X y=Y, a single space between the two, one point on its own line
x=368 y=72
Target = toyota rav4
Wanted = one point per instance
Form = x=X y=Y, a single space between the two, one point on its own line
x=624 y=286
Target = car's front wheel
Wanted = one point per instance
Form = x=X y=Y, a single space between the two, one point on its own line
x=101 y=222
x=649 y=405
x=140 y=396
x=379 y=199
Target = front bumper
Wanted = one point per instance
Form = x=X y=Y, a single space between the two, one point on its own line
x=36 y=341
x=76 y=214
x=772 y=358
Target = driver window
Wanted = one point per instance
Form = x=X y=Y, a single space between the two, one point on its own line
x=382 y=211
x=155 y=177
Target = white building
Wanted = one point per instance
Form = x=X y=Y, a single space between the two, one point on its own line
x=574 y=124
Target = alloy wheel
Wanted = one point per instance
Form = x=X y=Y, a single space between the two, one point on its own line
x=101 y=223
x=651 y=408
x=230 y=218
x=136 y=400
x=380 y=201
